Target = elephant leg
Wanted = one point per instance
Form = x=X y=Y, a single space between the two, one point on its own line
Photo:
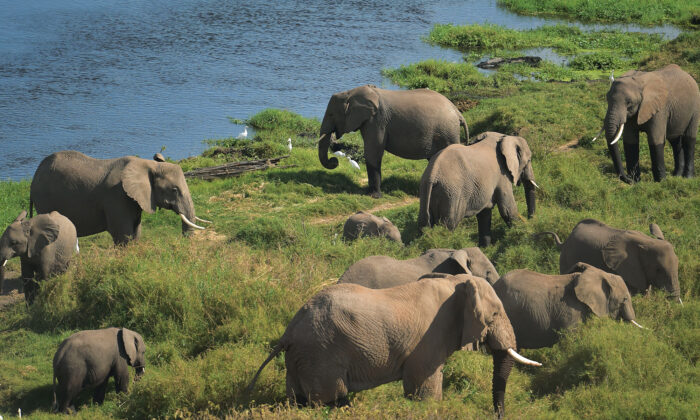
x=421 y=385
x=325 y=383
x=374 y=177
x=484 y=220
x=295 y=394
x=374 y=141
x=66 y=394
x=28 y=282
x=98 y=395
x=121 y=224
x=678 y=160
x=632 y=159
x=658 y=166
x=689 y=155
x=502 y=364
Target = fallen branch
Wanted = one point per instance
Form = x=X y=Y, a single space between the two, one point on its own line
x=235 y=168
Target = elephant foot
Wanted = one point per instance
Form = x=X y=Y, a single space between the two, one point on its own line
x=626 y=179
x=484 y=242
x=376 y=194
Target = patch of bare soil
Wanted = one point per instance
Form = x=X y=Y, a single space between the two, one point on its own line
x=385 y=206
x=11 y=289
x=569 y=145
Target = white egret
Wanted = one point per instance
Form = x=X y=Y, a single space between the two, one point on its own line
x=289 y=144
x=244 y=133
x=339 y=153
x=353 y=163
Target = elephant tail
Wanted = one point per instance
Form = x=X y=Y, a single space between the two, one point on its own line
x=463 y=123
x=554 y=235
x=54 y=406
x=275 y=351
x=426 y=188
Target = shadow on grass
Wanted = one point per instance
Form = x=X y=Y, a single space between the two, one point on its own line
x=336 y=183
x=40 y=398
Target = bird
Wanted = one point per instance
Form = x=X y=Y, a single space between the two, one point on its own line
x=289 y=144
x=244 y=133
x=612 y=76
x=339 y=153
x=353 y=163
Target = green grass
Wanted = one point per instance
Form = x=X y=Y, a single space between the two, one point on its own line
x=210 y=307
x=642 y=12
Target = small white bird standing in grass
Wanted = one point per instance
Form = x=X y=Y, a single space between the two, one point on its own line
x=339 y=153
x=353 y=163
x=244 y=133
x=289 y=144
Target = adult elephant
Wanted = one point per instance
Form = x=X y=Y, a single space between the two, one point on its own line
x=412 y=124
x=463 y=181
x=539 y=305
x=348 y=338
x=641 y=261
x=664 y=104
x=380 y=272
x=109 y=194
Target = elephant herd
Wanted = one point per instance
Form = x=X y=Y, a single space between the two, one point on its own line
x=387 y=319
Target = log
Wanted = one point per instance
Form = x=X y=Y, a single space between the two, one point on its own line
x=235 y=168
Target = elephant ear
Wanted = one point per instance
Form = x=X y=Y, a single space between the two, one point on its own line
x=42 y=231
x=22 y=215
x=654 y=96
x=655 y=230
x=474 y=328
x=360 y=107
x=137 y=181
x=622 y=254
x=593 y=290
x=460 y=259
x=130 y=342
x=509 y=147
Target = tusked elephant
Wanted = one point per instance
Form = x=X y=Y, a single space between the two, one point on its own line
x=367 y=224
x=348 y=338
x=412 y=124
x=664 y=104
x=380 y=272
x=539 y=305
x=87 y=359
x=640 y=260
x=463 y=181
x=45 y=245
x=109 y=194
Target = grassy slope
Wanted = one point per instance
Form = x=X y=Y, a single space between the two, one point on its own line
x=211 y=306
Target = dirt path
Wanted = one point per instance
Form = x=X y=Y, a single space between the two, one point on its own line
x=385 y=206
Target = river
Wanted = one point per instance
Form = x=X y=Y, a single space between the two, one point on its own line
x=113 y=78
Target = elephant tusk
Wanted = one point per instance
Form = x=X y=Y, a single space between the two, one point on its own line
x=4 y=262
x=535 y=184
x=598 y=135
x=679 y=299
x=188 y=223
x=636 y=325
x=202 y=220
x=618 y=135
x=523 y=360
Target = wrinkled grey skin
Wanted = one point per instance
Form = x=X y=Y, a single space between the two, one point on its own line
x=664 y=104
x=640 y=260
x=539 y=305
x=463 y=181
x=380 y=272
x=45 y=245
x=87 y=359
x=348 y=338
x=109 y=194
x=367 y=224
x=412 y=124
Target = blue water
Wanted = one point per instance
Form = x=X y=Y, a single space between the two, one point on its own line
x=111 y=78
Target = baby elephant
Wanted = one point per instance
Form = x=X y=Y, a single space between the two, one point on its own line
x=463 y=181
x=348 y=338
x=367 y=224
x=45 y=245
x=380 y=272
x=89 y=358
x=539 y=304
x=640 y=260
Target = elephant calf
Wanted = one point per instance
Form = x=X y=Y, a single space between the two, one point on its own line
x=367 y=224
x=640 y=260
x=538 y=305
x=45 y=245
x=380 y=272
x=348 y=338
x=463 y=181
x=89 y=358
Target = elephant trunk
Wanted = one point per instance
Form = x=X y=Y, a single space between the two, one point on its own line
x=187 y=215
x=323 y=145
x=502 y=364
x=530 y=185
x=627 y=312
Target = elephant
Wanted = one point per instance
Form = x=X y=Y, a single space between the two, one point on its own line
x=348 y=338
x=462 y=181
x=539 y=305
x=45 y=245
x=89 y=358
x=381 y=272
x=109 y=194
x=367 y=224
x=641 y=261
x=664 y=104
x=412 y=124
